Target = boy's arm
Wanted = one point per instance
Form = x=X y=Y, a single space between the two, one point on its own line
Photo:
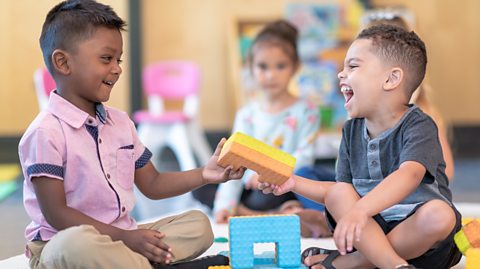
x=156 y=185
x=390 y=191
x=51 y=198
x=50 y=194
x=313 y=190
x=393 y=189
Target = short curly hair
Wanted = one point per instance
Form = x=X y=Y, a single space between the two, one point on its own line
x=399 y=47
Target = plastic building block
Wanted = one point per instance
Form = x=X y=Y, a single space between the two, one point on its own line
x=283 y=230
x=468 y=237
x=271 y=164
x=473 y=258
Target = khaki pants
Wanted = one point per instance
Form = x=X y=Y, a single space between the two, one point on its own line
x=188 y=234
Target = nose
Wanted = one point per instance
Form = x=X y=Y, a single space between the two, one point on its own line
x=341 y=74
x=270 y=73
x=117 y=69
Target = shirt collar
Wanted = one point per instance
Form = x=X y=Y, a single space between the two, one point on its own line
x=411 y=107
x=72 y=115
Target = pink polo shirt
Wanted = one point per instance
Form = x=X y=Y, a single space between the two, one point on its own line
x=94 y=157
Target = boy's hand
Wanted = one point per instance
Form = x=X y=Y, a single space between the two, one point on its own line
x=349 y=229
x=213 y=173
x=287 y=186
x=148 y=243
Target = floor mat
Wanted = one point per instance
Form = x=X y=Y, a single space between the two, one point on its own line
x=8 y=179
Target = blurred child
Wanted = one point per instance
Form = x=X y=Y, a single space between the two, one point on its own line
x=421 y=96
x=278 y=119
x=80 y=160
x=391 y=206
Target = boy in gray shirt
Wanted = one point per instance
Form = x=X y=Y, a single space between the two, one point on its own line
x=391 y=200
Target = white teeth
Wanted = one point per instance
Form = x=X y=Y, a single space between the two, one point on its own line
x=346 y=89
x=108 y=82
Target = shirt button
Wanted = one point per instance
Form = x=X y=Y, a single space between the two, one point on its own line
x=372 y=147
x=123 y=209
x=90 y=121
x=108 y=176
x=373 y=163
x=100 y=141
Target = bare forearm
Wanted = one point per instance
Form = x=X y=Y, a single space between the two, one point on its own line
x=311 y=189
x=171 y=184
x=392 y=189
x=65 y=217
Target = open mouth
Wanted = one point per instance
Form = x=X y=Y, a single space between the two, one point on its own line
x=107 y=82
x=347 y=93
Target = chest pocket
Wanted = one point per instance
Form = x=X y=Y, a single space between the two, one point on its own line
x=125 y=167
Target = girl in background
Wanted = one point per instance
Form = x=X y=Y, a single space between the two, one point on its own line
x=279 y=119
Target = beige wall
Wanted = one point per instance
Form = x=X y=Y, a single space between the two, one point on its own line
x=20 y=26
x=199 y=30
x=451 y=31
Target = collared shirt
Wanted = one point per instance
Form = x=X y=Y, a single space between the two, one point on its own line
x=365 y=162
x=95 y=157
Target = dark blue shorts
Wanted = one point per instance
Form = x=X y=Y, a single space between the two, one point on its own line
x=445 y=255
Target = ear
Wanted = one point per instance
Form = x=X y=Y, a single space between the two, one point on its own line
x=395 y=77
x=60 y=61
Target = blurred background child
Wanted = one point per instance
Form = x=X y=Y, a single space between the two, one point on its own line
x=282 y=120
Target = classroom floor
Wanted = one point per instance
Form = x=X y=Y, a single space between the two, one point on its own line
x=466 y=188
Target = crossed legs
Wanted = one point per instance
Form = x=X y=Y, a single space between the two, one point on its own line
x=429 y=225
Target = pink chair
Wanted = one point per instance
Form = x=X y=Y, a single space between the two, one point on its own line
x=44 y=85
x=179 y=130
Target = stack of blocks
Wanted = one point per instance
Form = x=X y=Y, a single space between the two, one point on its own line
x=271 y=164
x=468 y=242
x=245 y=232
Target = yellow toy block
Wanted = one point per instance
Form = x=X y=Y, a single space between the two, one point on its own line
x=271 y=164
x=473 y=258
x=219 y=267
x=465 y=221
x=468 y=237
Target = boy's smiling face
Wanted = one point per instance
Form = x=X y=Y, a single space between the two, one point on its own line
x=94 y=67
x=362 y=79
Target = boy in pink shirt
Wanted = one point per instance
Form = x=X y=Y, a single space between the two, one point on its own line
x=81 y=159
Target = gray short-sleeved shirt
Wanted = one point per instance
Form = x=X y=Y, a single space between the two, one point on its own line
x=365 y=162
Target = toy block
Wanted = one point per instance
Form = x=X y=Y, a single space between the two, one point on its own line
x=473 y=258
x=283 y=230
x=271 y=164
x=465 y=221
x=468 y=237
x=220 y=267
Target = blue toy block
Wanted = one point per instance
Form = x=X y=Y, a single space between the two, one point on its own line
x=283 y=230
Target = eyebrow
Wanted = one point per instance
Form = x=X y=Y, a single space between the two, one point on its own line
x=110 y=49
x=353 y=59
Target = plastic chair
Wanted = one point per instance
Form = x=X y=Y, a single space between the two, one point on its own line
x=179 y=130
x=44 y=85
